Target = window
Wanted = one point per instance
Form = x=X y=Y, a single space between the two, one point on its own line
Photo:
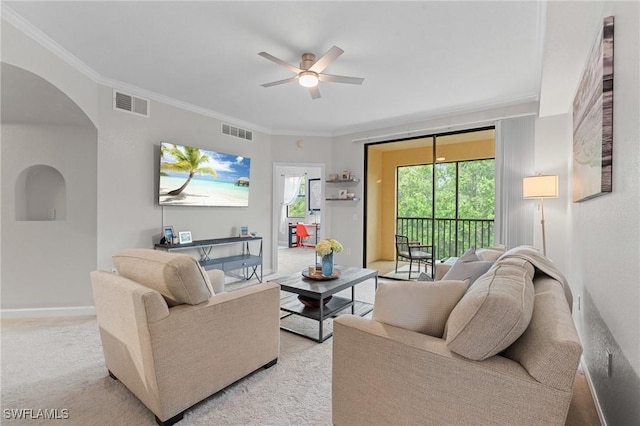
x=299 y=206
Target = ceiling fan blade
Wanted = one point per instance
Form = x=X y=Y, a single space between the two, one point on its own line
x=315 y=92
x=275 y=83
x=280 y=62
x=326 y=59
x=340 y=79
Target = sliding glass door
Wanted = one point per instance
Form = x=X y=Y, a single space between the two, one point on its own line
x=444 y=192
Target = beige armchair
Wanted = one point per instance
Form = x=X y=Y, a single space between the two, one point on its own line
x=173 y=342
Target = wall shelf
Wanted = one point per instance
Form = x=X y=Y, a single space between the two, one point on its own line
x=344 y=181
x=344 y=199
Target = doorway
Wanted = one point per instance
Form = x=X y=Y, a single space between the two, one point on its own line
x=287 y=256
x=437 y=190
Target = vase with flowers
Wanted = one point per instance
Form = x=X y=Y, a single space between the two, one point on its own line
x=326 y=248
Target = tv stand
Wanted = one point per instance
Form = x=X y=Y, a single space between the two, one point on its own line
x=245 y=261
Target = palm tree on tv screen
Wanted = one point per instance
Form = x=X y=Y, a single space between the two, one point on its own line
x=189 y=160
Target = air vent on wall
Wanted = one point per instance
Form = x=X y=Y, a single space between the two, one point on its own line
x=228 y=129
x=131 y=104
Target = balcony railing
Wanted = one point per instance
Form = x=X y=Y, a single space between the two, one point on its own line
x=452 y=237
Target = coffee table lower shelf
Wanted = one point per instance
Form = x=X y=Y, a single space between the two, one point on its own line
x=336 y=306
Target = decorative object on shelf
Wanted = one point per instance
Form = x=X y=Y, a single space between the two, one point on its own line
x=593 y=121
x=346 y=175
x=326 y=248
x=351 y=195
x=313 y=303
x=168 y=234
x=333 y=177
x=317 y=275
x=244 y=231
x=342 y=194
x=185 y=237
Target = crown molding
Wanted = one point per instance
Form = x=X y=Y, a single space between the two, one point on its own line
x=526 y=105
x=26 y=27
x=45 y=41
x=157 y=97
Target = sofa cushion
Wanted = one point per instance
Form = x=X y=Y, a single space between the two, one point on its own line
x=494 y=312
x=417 y=306
x=177 y=277
x=549 y=348
x=468 y=267
x=490 y=253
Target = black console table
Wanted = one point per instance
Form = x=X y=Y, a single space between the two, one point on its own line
x=246 y=261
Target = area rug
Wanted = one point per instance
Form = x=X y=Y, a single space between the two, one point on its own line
x=57 y=363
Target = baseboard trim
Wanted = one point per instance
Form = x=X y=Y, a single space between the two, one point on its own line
x=72 y=311
x=585 y=368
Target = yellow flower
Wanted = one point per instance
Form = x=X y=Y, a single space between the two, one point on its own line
x=324 y=247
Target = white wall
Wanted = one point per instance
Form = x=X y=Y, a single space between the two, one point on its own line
x=126 y=187
x=598 y=241
x=551 y=154
x=128 y=167
x=46 y=263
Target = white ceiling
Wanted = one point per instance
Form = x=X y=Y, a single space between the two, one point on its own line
x=419 y=59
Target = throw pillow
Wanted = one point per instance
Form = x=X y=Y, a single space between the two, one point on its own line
x=469 y=255
x=416 y=306
x=468 y=267
x=490 y=253
x=177 y=277
x=493 y=313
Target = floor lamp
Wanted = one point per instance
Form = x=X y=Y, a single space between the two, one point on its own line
x=541 y=187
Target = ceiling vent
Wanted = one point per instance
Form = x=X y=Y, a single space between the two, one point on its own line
x=228 y=129
x=132 y=104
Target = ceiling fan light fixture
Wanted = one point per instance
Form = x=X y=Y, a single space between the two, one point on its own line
x=308 y=79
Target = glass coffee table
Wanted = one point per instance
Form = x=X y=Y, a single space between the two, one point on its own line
x=319 y=290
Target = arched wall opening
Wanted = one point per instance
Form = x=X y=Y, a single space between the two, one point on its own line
x=41 y=194
x=49 y=195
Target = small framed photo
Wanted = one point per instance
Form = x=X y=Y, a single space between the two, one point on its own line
x=244 y=231
x=167 y=232
x=346 y=175
x=185 y=237
x=342 y=194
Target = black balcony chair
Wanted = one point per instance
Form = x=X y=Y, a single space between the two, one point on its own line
x=414 y=252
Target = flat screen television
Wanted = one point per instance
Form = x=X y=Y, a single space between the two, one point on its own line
x=199 y=177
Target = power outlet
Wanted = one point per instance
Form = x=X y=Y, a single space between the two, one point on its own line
x=578 y=302
x=114 y=270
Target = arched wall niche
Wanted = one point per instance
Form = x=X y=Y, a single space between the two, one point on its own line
x=41 y=194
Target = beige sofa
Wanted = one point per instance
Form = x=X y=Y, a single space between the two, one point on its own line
x=495 y=364
x=173 y=340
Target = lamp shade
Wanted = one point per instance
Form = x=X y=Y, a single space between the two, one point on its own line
x=541 y=186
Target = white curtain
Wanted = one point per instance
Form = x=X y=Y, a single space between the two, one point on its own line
x=515 y=159
x=291 y=188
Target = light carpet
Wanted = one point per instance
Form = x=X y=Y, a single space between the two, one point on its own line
x=57 y=363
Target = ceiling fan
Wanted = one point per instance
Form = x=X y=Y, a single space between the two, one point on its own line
x=310 y=71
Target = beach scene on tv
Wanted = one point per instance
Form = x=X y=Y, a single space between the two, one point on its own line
x=198 y=177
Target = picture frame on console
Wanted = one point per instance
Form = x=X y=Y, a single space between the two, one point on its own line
x=168 y=234
x=185 y=237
